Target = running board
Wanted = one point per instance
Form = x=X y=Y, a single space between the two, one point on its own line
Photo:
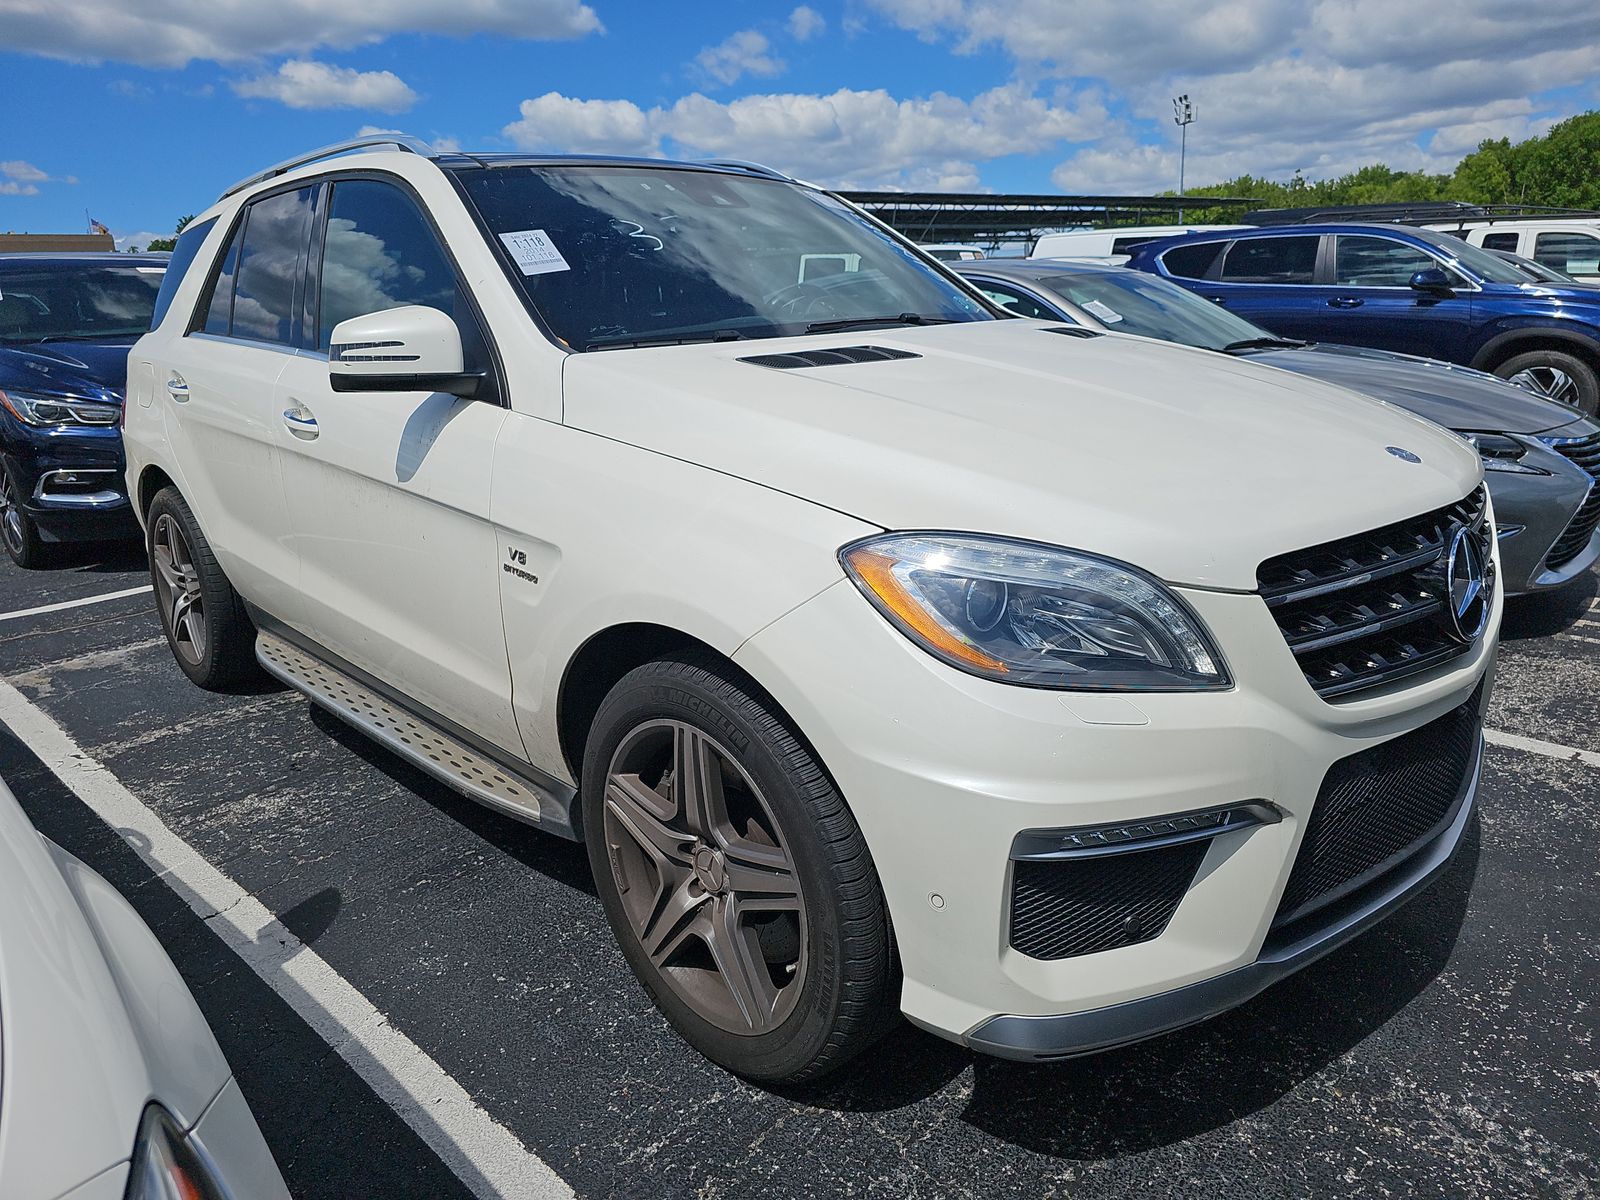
x=425 y=745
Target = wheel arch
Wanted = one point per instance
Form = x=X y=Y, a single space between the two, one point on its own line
x=1512 y=342
x=151 y=481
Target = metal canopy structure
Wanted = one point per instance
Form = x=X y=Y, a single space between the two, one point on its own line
x=987 y=217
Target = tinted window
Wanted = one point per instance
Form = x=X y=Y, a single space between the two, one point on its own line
x=1574 y=253
x=178 y=266
x=1191 y=262
x=1377 y=262
x=1014 y=301
x=1271 y=260
x=275 y=232
x=1500 y=241
x=219 y=315
x=379 y=253
x=1147 y=305
x=1127 y=245
x=83 y=300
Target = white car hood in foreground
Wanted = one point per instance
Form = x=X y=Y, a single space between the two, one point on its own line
x=94 y=1020
x=1188 y=464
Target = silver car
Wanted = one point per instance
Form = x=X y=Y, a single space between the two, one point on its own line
x=1541 y=458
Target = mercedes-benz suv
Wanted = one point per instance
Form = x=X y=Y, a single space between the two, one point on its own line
x=1055 y=688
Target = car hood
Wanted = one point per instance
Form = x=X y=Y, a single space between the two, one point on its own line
x=90 y=370
x=1189 y=464
x=94 y=1020
x=1455 y=397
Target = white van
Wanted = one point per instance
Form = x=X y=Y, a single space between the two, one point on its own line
x=1111 y=245
x=1570 y=244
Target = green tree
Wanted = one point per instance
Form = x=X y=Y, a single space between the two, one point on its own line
x=171 y=242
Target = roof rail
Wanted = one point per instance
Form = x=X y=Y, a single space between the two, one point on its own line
x=399 y=141
x=1422 y=212
x=755 y=168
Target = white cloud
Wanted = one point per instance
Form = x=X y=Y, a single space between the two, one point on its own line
x=1322 y=85
x=23 y=171
x=9 y=187
x=805 y=23
x=138 y=241
x=744 y=53
x=18 y=178
x=174 y=34
x=847 y=138
x=301 y=83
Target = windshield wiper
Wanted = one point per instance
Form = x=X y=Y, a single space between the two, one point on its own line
x=1264 y=343
x=629 y=341
x=908 y=318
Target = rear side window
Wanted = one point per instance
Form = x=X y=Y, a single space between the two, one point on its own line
x=178 y=266
x=1271 y=260
x=379 y=253
x=1574 y=253
x=1377 y=262
x=270 y=261
x=1192 y=262
x=219 y=315
x=1500 y=241
x=1127 y=245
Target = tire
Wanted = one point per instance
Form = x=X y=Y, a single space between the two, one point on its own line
x=18 y=531
x=777 y=977
x=207 y=628
x=1556 y=375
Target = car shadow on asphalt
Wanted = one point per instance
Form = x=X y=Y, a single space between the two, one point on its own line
x=1175 y=1087
x=1548 y=613
x=97 y=558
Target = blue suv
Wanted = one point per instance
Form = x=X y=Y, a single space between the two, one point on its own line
x=1393 y=287
x=67 y=322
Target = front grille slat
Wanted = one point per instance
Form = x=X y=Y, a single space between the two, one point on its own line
x=1585 y=452
x=1373 y=607
x=1377 y=807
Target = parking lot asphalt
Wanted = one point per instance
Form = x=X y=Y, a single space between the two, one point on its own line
x=1453 y=1051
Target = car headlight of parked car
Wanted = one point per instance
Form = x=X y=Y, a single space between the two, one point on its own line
x=54 y=410
x=167 y=1165
x=1502 y=453
x=1043 y=616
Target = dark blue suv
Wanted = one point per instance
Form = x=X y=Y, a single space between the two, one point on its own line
x=1393 y=287
x=67 y=322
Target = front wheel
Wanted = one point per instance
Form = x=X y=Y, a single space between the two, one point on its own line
x=203 y=617
x=735 y=879
x=1556 y=375
x=17 y=528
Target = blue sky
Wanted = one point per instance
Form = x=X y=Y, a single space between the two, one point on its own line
x=141 y=112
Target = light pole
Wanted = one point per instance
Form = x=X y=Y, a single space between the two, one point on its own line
x=1182 y=117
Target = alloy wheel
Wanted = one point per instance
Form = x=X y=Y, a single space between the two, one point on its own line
x=704 y=877
x=11 y=515
x=178 y=588
x=1550 y=382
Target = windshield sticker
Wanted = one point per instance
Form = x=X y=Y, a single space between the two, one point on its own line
x=1102 y=310
x=534 y=252
x=151 y=270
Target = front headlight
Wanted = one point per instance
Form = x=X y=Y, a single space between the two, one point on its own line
x=1502 y=453
x=47 y=410
x=1021 y=612
x=167 y=1165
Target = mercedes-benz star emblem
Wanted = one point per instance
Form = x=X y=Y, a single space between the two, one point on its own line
x=1469 y=583
x=1402 y=454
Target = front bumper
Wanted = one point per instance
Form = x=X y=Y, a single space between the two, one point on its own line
x=71 y=480
x=1532 y=513
x=943 y=771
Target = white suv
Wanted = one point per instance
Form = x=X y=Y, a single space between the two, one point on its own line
x=1058 y=688
x=1570 y=245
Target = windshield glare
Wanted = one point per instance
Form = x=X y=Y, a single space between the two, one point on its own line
x=1485 y=265
x=77 y=303
x=1133 y=302
x=614 y=255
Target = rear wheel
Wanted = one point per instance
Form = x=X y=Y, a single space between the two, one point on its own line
x=204 y=619
x=17 y=528
x=734 y=877
x=1555 y=375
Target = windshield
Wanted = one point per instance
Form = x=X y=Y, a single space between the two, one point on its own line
x=1133 y=302
x=76 y=302
x=1485 y=264
x=617 y=256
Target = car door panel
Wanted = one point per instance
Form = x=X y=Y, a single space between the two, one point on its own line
x=1371 y=303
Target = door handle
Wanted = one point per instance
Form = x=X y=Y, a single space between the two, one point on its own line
x=177 y=388
x=1346 y=302
x=300 y=421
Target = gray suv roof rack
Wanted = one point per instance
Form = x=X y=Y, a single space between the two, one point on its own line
x=755 y=168
x=399 y=141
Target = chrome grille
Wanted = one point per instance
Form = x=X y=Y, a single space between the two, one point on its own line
x=1364 y=610
x=1585 y=452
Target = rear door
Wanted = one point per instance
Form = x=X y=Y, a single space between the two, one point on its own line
x=389 y=491
x=1271 y=281
x=216 y=388
x=1372 y=303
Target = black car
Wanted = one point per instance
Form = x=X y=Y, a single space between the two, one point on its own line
x=67 y=322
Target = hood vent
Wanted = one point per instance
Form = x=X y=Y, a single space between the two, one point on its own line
x=830 y=357
x=1077 y=331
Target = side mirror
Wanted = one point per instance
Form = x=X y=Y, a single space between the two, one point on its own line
x=1432 y=279
x=410 y=349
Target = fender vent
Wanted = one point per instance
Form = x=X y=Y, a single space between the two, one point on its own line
x=831 y=357
x=1077 y=331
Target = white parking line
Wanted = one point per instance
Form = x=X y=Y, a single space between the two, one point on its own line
x=1497 y=737
x=484 y=1154
x=50 y=608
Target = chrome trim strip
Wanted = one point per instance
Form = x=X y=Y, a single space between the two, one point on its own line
x=1127 y=837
